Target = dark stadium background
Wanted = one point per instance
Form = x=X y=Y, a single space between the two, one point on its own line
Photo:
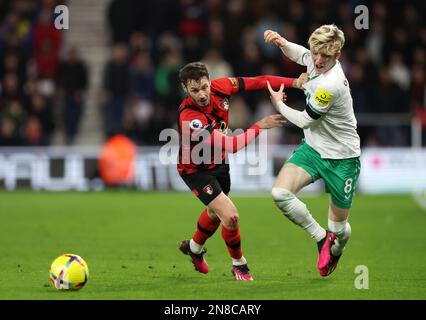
x=65 y=93
x=127 y=54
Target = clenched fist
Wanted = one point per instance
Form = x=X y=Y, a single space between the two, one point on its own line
x=274 y=37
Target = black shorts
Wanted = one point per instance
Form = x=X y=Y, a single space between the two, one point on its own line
x=208 y=184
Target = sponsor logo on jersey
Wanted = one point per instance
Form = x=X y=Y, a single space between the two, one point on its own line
x=234 y=82
x=322 y=97
x=208 y=189
x=196 y=124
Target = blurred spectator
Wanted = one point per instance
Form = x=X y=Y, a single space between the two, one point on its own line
x=388 y=97
x=10 y=90
x=399 y=72
x=46 y=44
x=116 y=161
x=12 y=64
x=166 y=79
x=269 y=21
x=250 y=62
x=192 y=18
x=216 y=35
x=138 y=43
x=12 y=119
x=142 y=77
x=375 y=41
x=8 y=27
x=192 y=27
x=288 y=67
x=33 y=132
x=16 y=113
x=418 y=87
x=40 y=127
x=152 y=39
x=363 y=58
x=239 y=114
x=9 y=133
x=72 y=78
x=116 y=86
x=138 y=114
x=118 y=15
x=217 y=66
x=359 y=89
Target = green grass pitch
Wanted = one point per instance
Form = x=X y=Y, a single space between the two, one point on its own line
x=130 y=241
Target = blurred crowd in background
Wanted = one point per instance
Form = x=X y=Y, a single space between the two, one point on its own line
x=34 y=75
x=151 y=40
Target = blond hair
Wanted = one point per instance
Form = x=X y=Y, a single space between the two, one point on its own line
x=327 y=39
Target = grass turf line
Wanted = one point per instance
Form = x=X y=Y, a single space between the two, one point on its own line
x=130 y=240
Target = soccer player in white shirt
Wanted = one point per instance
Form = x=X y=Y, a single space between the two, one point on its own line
x=331 y=147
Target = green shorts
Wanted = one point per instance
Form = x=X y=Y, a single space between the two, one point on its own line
x=340 y=176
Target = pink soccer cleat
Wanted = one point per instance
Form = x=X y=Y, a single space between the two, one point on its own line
x=331 y=265
x=241 y=273
x=197 y=259
x=325 y=255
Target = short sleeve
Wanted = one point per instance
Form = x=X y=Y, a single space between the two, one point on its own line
x=228 y=86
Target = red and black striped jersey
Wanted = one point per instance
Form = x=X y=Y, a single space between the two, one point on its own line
x=196 y=122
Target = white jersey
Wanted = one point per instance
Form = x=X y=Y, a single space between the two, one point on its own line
x=334 y=134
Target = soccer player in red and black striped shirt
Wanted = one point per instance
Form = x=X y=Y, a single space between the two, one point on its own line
x=203 y=119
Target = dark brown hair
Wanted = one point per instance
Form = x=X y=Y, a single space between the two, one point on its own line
x=193 y=71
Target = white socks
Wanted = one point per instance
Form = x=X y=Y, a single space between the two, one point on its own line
x=342 y=230
x=296 y=211
x=195 y=247
x=239 y=262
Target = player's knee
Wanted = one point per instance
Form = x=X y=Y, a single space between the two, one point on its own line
x=232 y=221
x=290 y=205
x=283 y=198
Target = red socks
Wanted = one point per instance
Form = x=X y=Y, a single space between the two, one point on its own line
x=233 y=242
x=206 y=227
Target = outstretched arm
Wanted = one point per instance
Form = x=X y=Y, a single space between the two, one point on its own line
x=232 y=144
x=233 y=85
x=291 y=50
x=260 y=82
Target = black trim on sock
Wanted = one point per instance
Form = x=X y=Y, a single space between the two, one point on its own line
x=234 y=246
x=208 y=232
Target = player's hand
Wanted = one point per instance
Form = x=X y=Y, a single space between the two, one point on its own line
x=276 y=96
x=299 y=83
x=274 y=37
x=271 y=121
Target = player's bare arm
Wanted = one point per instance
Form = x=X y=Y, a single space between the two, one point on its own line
x=233 y=144
x=300 y=82
x=299 y=118
x=271 y=121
